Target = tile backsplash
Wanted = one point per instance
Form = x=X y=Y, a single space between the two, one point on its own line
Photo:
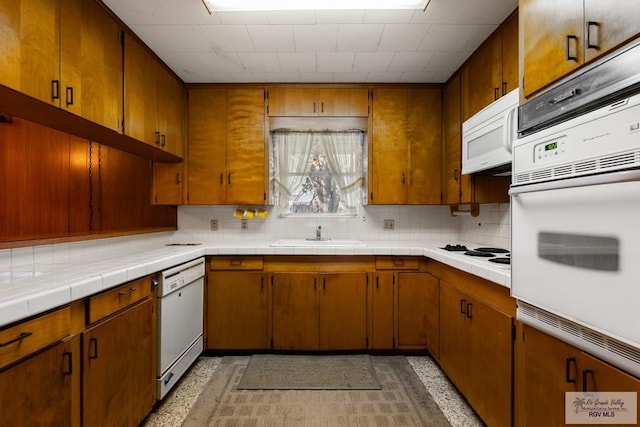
x=413 y=223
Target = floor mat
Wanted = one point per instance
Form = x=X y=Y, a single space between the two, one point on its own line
x=401 y=401
x=300 y=372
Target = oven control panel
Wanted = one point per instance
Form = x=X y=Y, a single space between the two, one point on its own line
x=550 y=150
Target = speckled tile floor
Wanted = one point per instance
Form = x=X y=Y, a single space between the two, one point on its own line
x=176 y=405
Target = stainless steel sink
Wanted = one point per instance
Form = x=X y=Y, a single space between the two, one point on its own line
x=310 y=243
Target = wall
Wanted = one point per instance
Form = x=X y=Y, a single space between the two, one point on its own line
x=57 y=185
x=412 y=223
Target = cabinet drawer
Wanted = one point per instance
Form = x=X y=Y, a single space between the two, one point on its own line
x=397 y=263
x=237 y=263
x=115 y=299
x=32 y=335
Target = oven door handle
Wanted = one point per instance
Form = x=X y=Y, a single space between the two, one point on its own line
x=607 y=178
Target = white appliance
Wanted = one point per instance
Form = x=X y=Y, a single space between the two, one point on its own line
x=487 y=137
x=180 y=322
x=575 y=231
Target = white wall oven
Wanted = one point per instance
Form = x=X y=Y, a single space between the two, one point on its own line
x=576 y=210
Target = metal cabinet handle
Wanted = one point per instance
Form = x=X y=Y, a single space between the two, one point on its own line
x=69 y=356
x=221 y=178
x=568 y=47
x=322 y=107
x=16 y=339
x=69 y=100
x=157 y=138
x=585 y=374
x=93 y=348
x=568 y=362
x=127 y=292
x=404 y=177
x=456 y=174
x=463 y=306
x=504 y=88
x=163 y=137
x=178 y=180
x=469 y=307
x=55 y=89
x=229 y=178
x=314 y=107
x=590 y=43
x=496 y=93
x=236 y=262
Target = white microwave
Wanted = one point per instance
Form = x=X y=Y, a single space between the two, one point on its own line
x=487 y=137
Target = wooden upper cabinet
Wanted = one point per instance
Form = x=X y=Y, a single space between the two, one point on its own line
x=344 y=102
x=207 y=149
x=91 y=63
x=152 y=101
x=227 y=160
x=405 y=151
x=609 y=24
x=492 y=70
x=558 y=37
x=29 y=52
x=458 y=188
x=313 y=102
x=246 y=146
x=553 y=36
x=140 y=97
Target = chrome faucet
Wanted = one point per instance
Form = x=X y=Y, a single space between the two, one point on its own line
x=319 y=233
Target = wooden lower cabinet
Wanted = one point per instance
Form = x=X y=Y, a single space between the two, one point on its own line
x=236 y=316
x=417 y=312
x=118 y=369
x=382 y=311
x=37 y=391
x=476 y=352
x=547 y=368
x=326 y=311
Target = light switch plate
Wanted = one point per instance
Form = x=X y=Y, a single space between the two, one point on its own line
x=389 y=224
x=214 y=225
x=244 y=224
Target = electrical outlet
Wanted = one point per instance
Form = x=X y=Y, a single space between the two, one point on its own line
x=389 y=224
x=214 y=225
x=244 y=224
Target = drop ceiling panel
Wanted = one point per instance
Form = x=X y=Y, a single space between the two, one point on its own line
x=291 y=46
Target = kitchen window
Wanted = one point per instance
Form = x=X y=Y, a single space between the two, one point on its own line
x=317 y=173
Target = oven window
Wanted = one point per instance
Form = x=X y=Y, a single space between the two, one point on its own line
x=580 y=250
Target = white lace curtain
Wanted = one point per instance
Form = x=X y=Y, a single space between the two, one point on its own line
x=296 y=157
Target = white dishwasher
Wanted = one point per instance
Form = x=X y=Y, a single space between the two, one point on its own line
x=180 y=321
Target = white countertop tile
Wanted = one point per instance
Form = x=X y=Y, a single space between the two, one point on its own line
x=43 y=278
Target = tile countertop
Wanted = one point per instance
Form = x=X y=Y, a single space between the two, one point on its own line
x=33 y=284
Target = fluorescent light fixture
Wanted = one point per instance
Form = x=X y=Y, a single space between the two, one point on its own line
x=246 y=5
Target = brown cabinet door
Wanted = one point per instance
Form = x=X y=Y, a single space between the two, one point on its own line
x=294 y=311
x=170 y=111
x=547 y=368
x=455 y=349
x=482 y=77
x=451 y=142
x=29 y=30
x=141 y=94
x=343 y=311
x=553 y=40
x=389 y=146
x=343 y=102
x=91 y=63
x=490 y=362
x=167 y=183
x=600 y=376
x=293 y=101
x=118 y=372
x=382 y=312
x=236 y=311
x=609 y=24
x=207 y=146
x=424 y=130
x=37 y=392
x=246 y=146
x=414 y=320
x=509 y=55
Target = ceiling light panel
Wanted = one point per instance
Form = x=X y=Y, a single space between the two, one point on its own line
x=244 y=5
